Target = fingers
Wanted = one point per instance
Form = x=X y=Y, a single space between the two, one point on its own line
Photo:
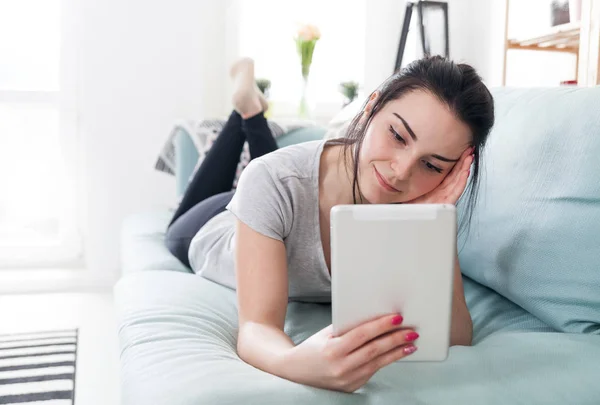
x=459 y=188
x=456 y=181
x=327 y=331
x=362 y=334
x=394 y=355
x=468 y=160
x=463 y=163
x=463 y=166
x=365 y=372
x=380 y=346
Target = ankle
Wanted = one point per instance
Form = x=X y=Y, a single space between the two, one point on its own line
x=251 y=113
x=247 y=102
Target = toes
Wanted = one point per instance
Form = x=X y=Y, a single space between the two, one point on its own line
x=242 y=65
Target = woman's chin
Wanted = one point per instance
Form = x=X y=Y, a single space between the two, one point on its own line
x=378 y=196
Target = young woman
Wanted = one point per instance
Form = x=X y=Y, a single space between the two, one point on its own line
x=414 y=142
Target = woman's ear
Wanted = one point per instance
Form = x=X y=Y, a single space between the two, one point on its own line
x=372 y=100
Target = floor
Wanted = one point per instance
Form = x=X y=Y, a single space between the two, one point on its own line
x=93 y=314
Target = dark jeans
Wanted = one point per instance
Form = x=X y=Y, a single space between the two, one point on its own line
x=209 y=192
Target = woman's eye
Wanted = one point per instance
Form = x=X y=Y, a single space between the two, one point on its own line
x=432 y=167
x=397 y=135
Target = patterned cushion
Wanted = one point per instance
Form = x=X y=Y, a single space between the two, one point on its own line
x=203 y=134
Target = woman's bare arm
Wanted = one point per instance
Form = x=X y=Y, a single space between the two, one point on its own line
x=461 y=330
x=262 y=291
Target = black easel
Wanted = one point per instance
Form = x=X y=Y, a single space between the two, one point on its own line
x=422 y=6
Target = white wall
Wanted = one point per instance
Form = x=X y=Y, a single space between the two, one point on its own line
x=265 y=30
x=476 y=37
x=486 y=38
x=524 y=68
x=143 y=64
x=384 y=20
x=531 y=68
x=382 y=34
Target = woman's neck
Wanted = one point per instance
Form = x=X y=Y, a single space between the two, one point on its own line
x=335 y=181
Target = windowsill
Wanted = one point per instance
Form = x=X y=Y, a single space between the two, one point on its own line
x=321 y=112
x=26 y=281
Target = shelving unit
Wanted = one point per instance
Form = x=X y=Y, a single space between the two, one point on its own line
x=561 y=38
x=581 y=38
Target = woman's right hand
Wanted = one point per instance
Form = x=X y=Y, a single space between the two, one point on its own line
x=347 y=362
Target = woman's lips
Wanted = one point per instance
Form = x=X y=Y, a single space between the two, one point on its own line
x=383 y=183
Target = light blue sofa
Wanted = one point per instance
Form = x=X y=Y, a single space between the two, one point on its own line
x=531 y=265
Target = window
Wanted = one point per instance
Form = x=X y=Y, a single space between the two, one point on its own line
x=37 y=215
x=266 y=31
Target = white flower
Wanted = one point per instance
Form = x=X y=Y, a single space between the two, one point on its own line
x=308 y=32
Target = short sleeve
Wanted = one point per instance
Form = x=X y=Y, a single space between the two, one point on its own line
x=261 y=202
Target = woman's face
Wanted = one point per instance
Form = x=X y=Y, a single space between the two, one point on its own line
x=410 y=146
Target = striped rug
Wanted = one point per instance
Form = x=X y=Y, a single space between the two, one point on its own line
x=38 y=368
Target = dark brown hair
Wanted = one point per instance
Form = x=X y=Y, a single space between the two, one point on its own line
x=456 y=85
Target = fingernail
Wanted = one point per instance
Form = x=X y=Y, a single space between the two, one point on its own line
x=409 y=349
x=397 y=320
x=411 y=336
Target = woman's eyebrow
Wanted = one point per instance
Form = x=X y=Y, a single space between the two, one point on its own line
x=414 y=137
x=443 y=159
x=408 y=128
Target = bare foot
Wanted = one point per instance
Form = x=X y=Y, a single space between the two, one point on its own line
x=263 y=101
x=247 y=98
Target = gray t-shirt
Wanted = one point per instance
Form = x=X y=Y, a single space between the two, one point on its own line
x=277 y=196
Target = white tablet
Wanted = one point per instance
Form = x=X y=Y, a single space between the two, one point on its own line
x=395 y=259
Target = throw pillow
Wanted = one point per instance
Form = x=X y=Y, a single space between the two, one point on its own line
x=203 y=134
x=535 y=235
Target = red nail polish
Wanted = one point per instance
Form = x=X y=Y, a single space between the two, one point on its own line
x=397 y=320
x=409 y=349
x=411 y=336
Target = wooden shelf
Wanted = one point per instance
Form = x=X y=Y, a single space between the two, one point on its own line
x=561 y=38
x=580 y=38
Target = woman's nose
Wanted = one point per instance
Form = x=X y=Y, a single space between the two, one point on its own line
x=402 y=168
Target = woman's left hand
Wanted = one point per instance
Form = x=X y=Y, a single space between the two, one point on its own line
x=448 y=192
x=452 y=187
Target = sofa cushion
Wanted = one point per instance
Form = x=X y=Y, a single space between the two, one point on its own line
x=535 y=236
x=178 y=336
x=312 y=133
x=143 y=246
x=186 y=156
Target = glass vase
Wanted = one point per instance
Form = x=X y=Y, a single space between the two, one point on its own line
x=304 y=106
